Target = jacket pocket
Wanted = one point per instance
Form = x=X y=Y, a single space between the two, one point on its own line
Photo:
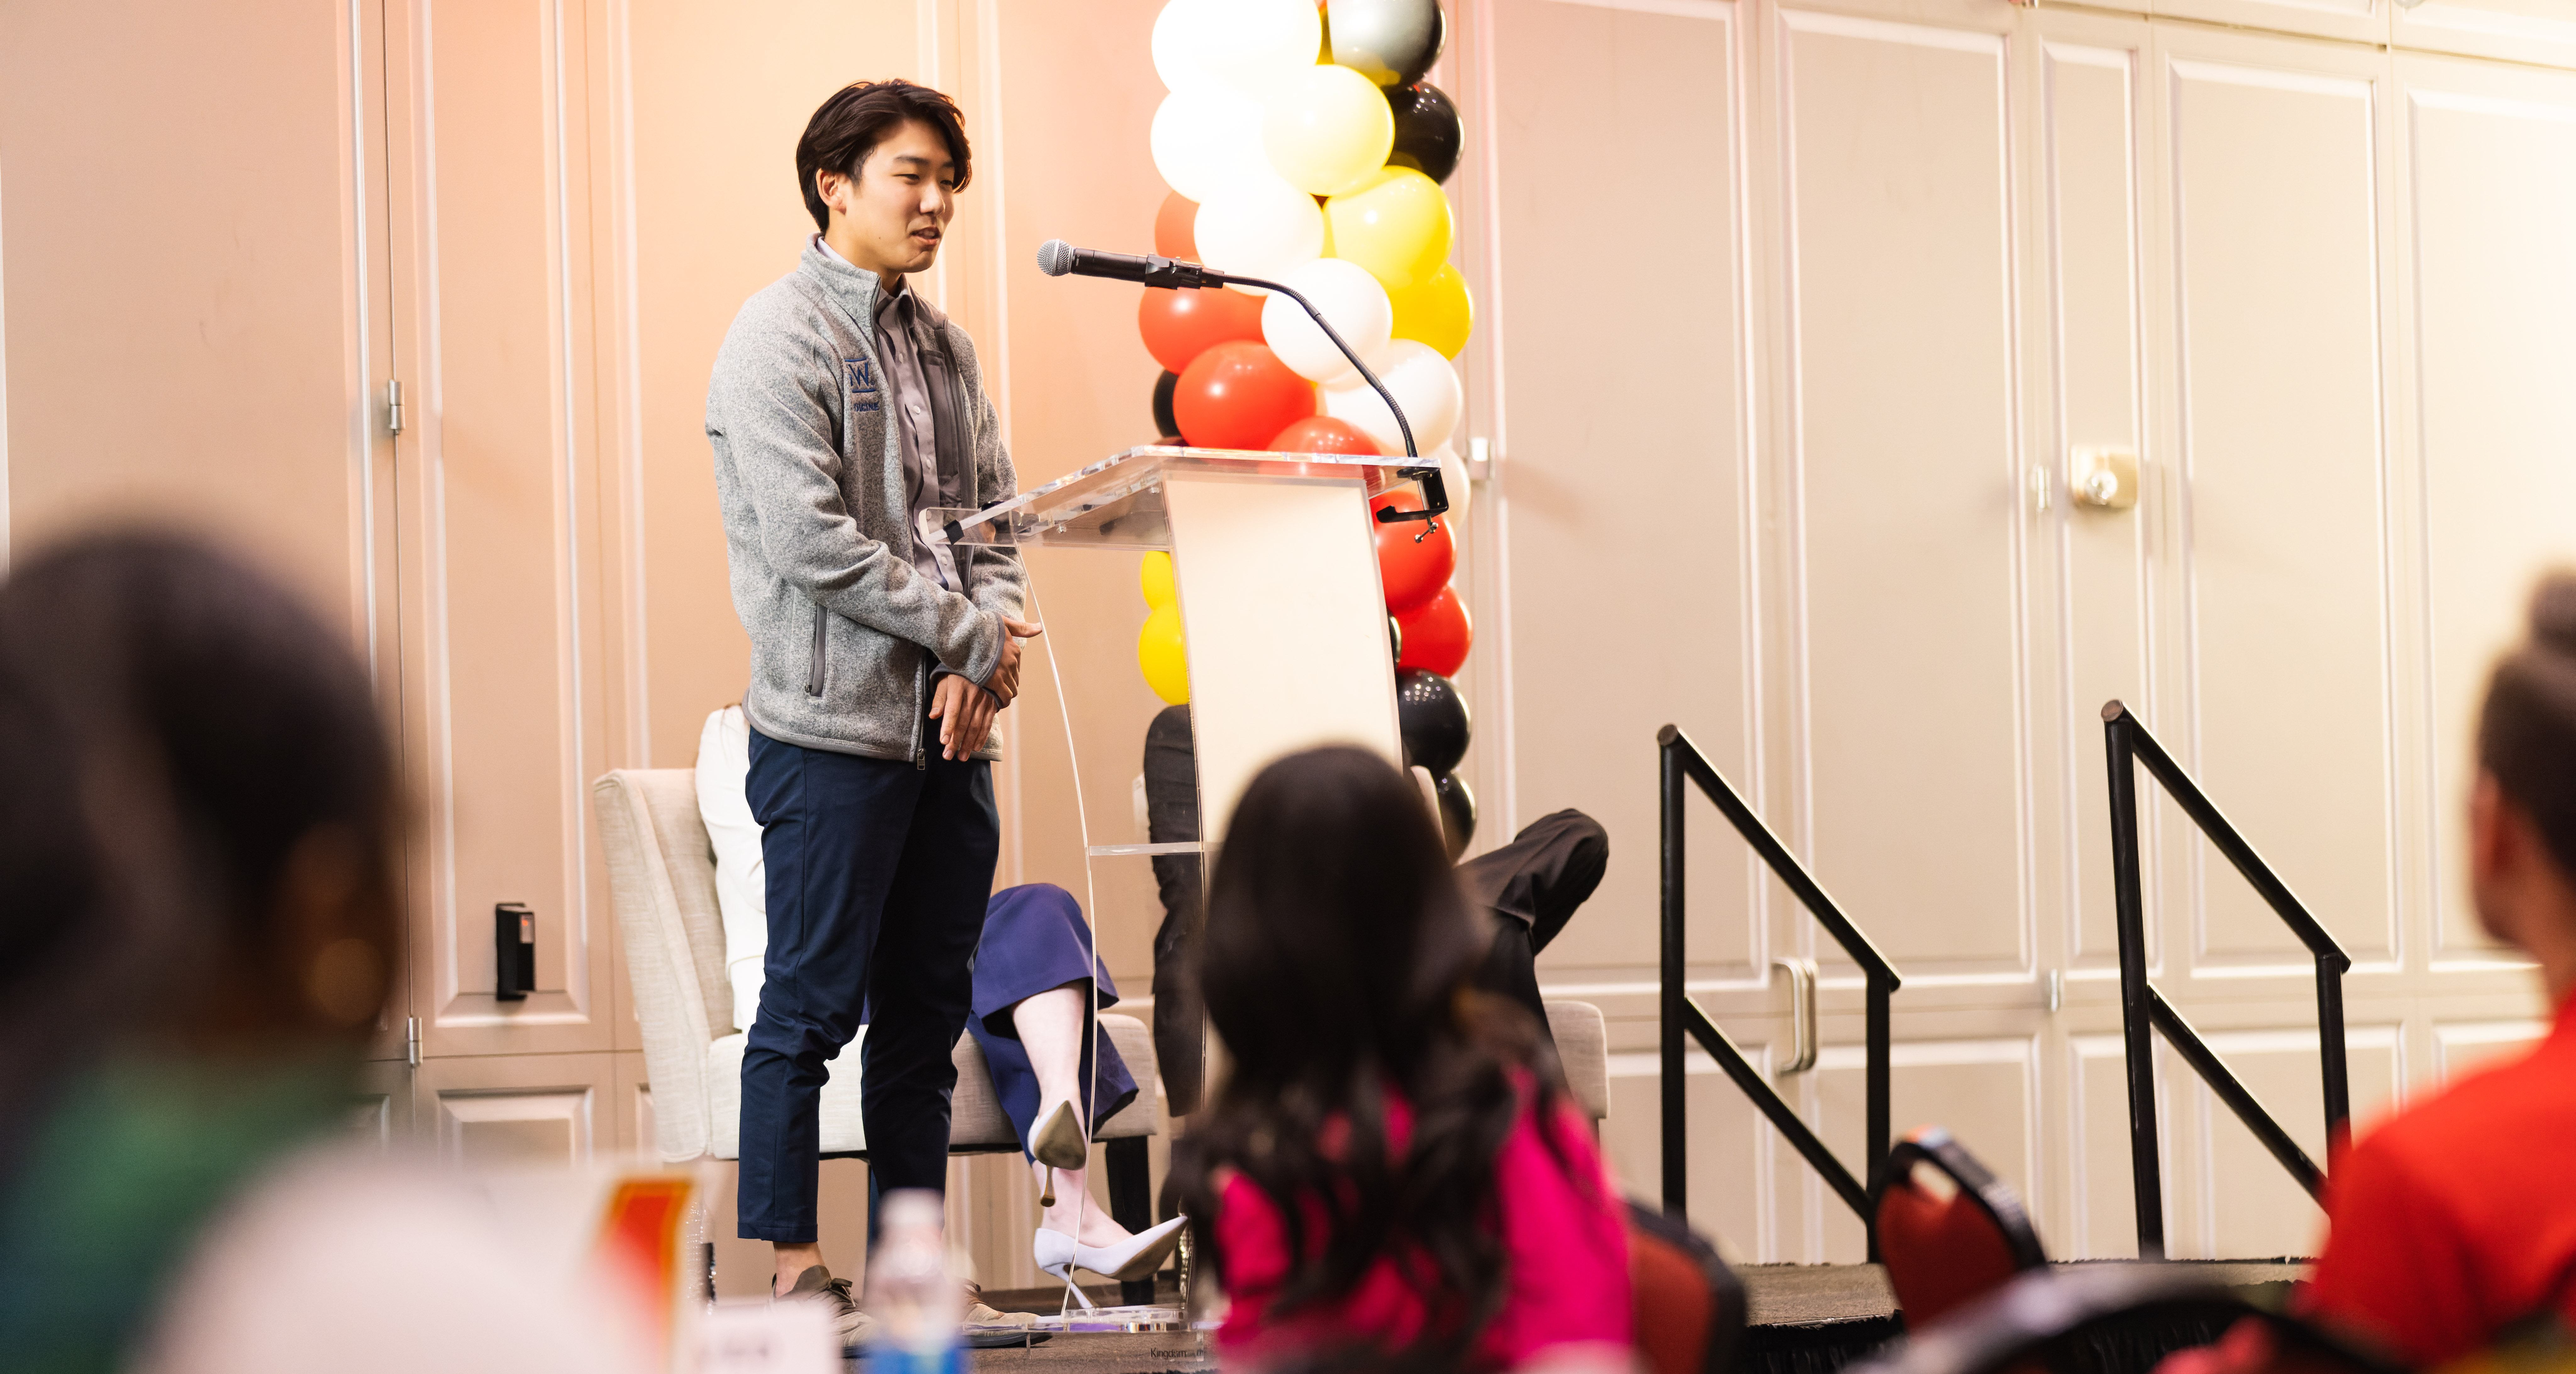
x=814 y=671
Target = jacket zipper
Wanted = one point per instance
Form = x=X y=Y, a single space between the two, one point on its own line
x=814 y=673
x=920 y=755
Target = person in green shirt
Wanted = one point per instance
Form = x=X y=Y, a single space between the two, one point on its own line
x=199 y=822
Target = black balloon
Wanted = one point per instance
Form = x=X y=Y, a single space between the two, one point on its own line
x=1432 y=719
x=1164 y=423
x=1391 y=42
x=1457 y=813
x=1428 y=133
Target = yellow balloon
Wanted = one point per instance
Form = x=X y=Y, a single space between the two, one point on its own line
x=1395 y=224
x=1437 y=312
x=1158 y=653
x=1154 y=578
x=1326 y=129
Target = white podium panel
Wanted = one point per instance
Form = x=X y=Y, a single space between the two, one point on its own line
x=1286 y=624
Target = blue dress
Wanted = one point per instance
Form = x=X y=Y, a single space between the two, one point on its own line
x=1035 y=940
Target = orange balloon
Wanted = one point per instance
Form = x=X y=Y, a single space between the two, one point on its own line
x=1437 y=634
x=1172 y=228
x=1238 y=395
x=1323 y=434
x=1180 y=325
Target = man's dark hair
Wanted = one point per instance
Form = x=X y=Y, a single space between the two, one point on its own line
x=856 y=119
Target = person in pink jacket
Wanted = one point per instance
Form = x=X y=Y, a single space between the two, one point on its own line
x=1392 y=1167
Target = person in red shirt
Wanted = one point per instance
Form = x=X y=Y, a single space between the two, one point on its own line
x=2455 y=1220
x=1391 y=1167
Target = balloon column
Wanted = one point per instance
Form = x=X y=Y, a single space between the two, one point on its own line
x=1302 y=144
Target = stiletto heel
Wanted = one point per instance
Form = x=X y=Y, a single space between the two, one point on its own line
x=1046 y=1190
x=1056 y=1253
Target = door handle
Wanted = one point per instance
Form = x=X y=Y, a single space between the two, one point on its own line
x=1802 y=1014
x=2103 y=479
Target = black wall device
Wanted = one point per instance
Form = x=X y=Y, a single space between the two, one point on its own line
x=514 y=951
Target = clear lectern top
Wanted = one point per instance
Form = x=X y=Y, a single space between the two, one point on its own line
x=1117 y=503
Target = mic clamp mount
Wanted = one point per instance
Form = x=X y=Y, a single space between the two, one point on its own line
x=1174 y=275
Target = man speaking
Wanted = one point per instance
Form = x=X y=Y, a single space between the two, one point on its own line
x=842 y=407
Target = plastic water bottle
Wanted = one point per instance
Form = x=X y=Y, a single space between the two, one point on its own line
x=916 y=1300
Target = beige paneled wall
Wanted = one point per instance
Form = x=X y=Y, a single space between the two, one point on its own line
x=2279 y=350
x=1620 y=526
x=508 y=707
x=1902 y=453
x=191 y=310
x=2493 y=157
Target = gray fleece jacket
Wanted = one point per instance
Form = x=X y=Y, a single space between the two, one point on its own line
x=844 y=629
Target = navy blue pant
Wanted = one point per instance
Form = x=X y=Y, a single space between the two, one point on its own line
x=877 y=877
x=1035 y=940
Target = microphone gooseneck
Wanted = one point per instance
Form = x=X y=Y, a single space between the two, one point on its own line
x=1058 y=258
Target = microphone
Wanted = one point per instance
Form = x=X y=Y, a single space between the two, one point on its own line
x=1058 y=258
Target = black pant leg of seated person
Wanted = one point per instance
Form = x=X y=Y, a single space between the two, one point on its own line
x=1172 y=817
x=1544 y=875
x=1511 y=969
x=1533 y=886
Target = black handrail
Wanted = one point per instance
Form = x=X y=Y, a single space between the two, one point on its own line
x=1683 y=760
x=2142 y=1007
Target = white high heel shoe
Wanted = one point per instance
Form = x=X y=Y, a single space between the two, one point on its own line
x=1135 y=1258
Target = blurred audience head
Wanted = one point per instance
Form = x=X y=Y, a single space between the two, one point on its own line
x=198 y=815
x=2522 y=812
x=1335 y=966
x=1336 y=935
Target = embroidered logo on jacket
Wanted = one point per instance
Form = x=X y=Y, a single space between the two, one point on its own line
x=863 y=384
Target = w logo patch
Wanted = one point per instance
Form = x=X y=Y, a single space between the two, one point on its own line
x=862 y=376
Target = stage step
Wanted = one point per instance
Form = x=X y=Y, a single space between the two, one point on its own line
x=1805 y=1319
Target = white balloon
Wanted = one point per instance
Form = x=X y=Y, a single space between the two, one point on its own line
x=1180 y=46
x=1259 y=227
x=1351 y=299
x=1207 y=139
x=1423 y=383
x=1254 y=42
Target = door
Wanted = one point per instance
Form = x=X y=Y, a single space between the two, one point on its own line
x=193 y=252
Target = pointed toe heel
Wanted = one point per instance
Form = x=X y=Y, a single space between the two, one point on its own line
x=1138 y=1257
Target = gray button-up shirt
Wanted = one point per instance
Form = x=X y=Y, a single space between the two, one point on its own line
x=917 y=374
